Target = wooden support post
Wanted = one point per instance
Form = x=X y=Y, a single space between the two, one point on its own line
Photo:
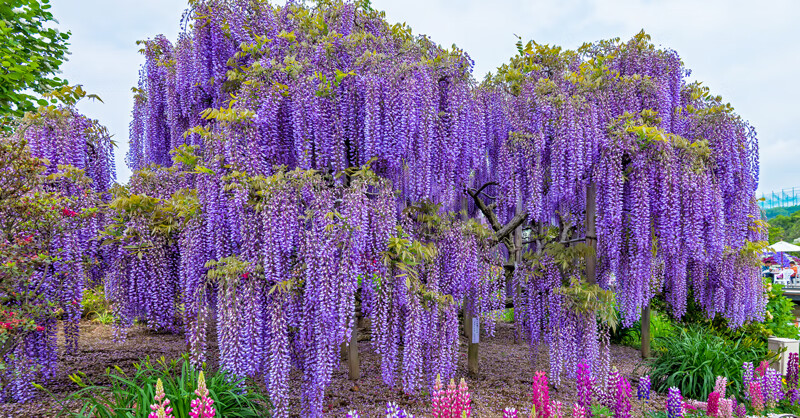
x=591 y=232
x=645 y=333
x=472 y=345
x=353 y=362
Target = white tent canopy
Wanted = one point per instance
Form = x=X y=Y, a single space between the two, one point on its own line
x=783 y=246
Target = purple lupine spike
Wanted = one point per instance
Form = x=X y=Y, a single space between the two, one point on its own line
x=674 y=403
x=643 y=388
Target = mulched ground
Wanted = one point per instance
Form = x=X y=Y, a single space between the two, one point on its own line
x=504 y=379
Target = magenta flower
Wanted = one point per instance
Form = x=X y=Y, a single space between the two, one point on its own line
x=453 y=402
x=541 y=395
x=756 y=397
x=578 y=411
x=464 y=409
x=161 y=408
x=712 y=409
x=202 y=407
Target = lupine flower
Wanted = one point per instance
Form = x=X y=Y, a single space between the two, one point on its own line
x=712 y=409
x=622 y=403
x=555 y=409
x=584 y=385
x=203 y=406
x=793 y=372
x=643 y=389
x=541 y=395
x=394 y=411
x=720 y=386
x=772 y=389
x=578 y=411
x=438 y=404
x=762 y=368
x=509 y=413
x=747 y=376
x=740 y=410
x=161 y=408
x=756 y=397
x=353 y=414
x=451 y=401
x=464 y=408
x=725 y=408
x=674 y=403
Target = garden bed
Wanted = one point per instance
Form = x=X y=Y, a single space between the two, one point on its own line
x=506 y=374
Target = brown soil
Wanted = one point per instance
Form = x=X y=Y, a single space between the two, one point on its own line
x=504 y=378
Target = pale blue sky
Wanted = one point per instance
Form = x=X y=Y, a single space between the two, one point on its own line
x=745 y=51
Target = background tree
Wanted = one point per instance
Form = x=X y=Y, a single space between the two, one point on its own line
x=31 y=51
x=784 y=228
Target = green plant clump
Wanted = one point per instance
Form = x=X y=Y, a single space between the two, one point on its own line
x=660 y=325
x=692 y=358
x=779 y=318
x=130 y=395
x=95 y=306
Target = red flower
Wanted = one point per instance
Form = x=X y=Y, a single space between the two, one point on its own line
x=245 y=275
x=39 y=328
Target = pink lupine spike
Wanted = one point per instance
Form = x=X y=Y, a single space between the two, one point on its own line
x=203 y=406
x=578 y=411
x=465 y=409
x=541 y=395
x=161 y=408
x=438 y=403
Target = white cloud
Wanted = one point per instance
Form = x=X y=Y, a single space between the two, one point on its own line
x=743 y=50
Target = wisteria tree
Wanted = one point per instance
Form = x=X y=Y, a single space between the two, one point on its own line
x=328 y=153
x=673 y=171
x=54 y=168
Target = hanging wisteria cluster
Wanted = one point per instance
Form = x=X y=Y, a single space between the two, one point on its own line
x=55 y=214
x=65 y=138
x=250 y=92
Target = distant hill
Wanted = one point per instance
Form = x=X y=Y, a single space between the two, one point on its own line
x=773 y=212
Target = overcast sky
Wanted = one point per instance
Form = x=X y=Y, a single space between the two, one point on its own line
x=745 y=51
